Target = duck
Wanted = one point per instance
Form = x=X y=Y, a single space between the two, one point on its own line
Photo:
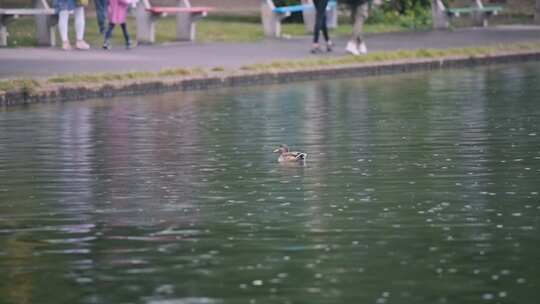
x=288 y=157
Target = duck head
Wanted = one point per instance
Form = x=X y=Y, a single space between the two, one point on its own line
x=282 y=149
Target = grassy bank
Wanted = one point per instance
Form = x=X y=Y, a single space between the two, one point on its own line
x=30 y=86
x=375 y=57
x=219 y=28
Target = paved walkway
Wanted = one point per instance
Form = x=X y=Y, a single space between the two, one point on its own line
x=39 y=62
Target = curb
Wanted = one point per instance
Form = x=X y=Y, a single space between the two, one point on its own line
x=72 y=92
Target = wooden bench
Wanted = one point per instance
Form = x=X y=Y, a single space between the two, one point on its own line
x=272 y=16
x=479 y=13
x=186 y=15
x=46 y=20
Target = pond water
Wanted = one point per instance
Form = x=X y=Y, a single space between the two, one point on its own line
x=419 y=188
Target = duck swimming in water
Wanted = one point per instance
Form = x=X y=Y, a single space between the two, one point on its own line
x=286 y=156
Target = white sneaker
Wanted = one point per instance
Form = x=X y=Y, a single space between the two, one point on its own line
x=362 y=49
x=66 y=46
x=351 y=48
x=82 y=45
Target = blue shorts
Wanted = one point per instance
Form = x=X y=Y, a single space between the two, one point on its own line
x=62 y=5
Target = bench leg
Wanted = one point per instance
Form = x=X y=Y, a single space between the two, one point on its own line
x=479 y=19
x=185 y=26
x=185 y=22
x=45 y=26
x=438 y=15
x=271 y=21
x=4 y=20
x=332 y=17
x=45 y=31
x=3 y=34
x=309 y=15
x=146 y=31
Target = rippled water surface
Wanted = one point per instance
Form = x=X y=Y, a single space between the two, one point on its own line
x=419 y=188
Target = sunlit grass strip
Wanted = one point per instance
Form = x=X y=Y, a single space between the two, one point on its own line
x=29 y=86
x=99 y=78
x=390 y=56
x=111 y=77
x=25 y=86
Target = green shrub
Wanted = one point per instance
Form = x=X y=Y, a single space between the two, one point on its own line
x=286 y=2
x=413 y=19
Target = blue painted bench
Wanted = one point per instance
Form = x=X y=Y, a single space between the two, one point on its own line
x=272 y=16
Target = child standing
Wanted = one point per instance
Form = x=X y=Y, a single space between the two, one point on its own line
x=116 y=13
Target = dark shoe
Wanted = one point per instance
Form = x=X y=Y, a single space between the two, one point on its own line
x=316 y=50
x=329 y=46
x=106 y=45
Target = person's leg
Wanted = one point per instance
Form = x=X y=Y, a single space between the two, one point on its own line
x=108 y=34
x=356 y=45
x=324 y=28
x=79 y=28
x=316 y=28
x=63 y=19
x=101 y=7
x=126 y=35
x=358 y=27
x=318 y=24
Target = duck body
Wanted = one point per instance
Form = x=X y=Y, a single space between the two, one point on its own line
x=286 y=156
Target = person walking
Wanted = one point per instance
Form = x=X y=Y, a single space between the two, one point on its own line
x=320 y=26
x=64 y=7
x=117 y=11
x=101 y=14
x=359 y=13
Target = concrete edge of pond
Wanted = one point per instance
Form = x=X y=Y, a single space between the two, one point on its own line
x=78 y=91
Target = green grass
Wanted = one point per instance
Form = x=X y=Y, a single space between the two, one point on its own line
x=26 y=86
x=221 y=27
x=215 y=28
x=231 y=28
x=99 y=78
x=108 y=77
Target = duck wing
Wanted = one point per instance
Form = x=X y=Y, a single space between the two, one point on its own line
x=298 y=155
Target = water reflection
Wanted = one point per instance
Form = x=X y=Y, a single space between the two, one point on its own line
x=419 y=188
